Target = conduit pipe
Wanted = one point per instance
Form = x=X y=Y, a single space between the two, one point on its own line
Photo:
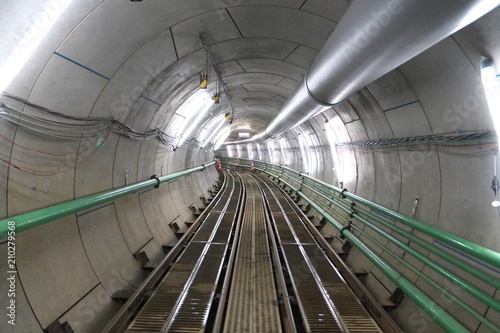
x=492 y=281
x=372 y=38
x=41 y=216
x=478 y=251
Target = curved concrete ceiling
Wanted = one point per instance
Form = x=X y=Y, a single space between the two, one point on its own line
x=261 y=48
x=139 y=62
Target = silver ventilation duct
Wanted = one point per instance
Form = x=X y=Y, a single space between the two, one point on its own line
x=372 y=38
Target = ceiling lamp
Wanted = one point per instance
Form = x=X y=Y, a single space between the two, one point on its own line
x=184 y=136
x=214 y=132
x=491 y=85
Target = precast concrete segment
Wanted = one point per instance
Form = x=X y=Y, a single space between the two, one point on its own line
x=253 y=304
x=182 y=301
x=326 y=302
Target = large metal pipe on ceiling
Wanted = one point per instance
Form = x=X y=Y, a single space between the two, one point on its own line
x=372 y=38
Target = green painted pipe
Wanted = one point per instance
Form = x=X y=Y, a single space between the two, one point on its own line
x=459 y=243
x=474 y=291
x=492 y=281
x=479 y=294
x=442 y=290
x=41 y=216
x=438 y=314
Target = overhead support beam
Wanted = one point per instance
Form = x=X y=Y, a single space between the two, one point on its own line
x=372 y=38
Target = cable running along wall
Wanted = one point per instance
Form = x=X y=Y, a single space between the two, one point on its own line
x=70 y=140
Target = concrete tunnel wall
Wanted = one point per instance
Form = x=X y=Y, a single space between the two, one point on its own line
x=99 y=61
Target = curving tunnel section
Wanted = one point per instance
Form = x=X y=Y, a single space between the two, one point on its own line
x=139 y=62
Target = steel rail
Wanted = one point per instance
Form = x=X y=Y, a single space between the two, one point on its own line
x=230 y=267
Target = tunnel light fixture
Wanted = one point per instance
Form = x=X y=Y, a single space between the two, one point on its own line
x=184 y=136
x=43 y=22
x=244 y=127
x=221 y=138
x=243 y=135
x=281 y=142
x=238 y=151
x=303 y=153
x=491 y=85
x=214 y=132
x=259 y=151
x=250 y=151
x=270 y=150
x=229 y=151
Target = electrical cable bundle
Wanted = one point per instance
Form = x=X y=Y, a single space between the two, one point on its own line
x=74 y=139
x=446 y=142
x=58 y=126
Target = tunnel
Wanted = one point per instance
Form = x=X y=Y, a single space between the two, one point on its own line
x=384 y=103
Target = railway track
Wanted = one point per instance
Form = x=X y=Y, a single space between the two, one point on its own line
x=251 y=265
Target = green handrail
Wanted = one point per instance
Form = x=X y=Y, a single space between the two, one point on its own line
x=421 y=275
x=495 y=282
x=41 y=216
x=460 y=243
x=473 y=290
x=492 y=281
